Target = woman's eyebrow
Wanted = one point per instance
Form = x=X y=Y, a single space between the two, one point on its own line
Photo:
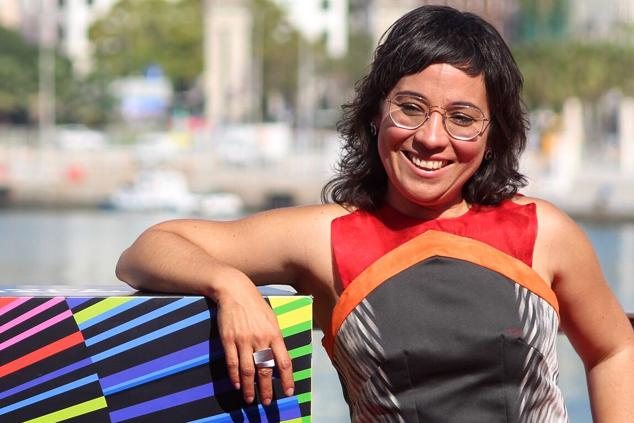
x=464 y=104
x=420 y=96
x=413 y=94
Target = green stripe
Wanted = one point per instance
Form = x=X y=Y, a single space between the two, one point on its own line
x=301 y=375
x=70 y=412
x=305 y=397
x=293 y=305
x=306 y=419
x=300 y=327
x=301 y=351
x=99 y=308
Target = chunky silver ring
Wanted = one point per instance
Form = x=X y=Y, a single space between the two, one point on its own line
x=264 y=358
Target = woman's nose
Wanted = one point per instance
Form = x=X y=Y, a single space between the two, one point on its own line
x=432 y=133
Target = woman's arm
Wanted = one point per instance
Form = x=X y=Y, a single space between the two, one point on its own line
x=591 y=316
x=224 y=261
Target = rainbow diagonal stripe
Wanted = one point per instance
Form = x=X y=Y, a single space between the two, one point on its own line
x=121 y=358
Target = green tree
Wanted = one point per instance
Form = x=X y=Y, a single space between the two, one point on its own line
x=86 y=100
x=19 y=80
x=18 y=76
x=136 y=34
x=554 y=71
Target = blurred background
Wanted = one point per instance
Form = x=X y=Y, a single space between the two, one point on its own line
x=117 y=114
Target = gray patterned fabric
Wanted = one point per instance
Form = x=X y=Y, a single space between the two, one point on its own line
x=447 y=340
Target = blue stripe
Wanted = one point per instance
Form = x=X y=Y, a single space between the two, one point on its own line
x=76 y=301
x=156 y=364
x=288 y=409
x=112 y=312
x=157 y=375
x=158 y=404
x=174 y=327
x=142 y=319
x=45 y=378
x=48 y=394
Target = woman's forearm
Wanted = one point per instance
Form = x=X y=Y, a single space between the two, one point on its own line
x=611 y=388
x=164 y=261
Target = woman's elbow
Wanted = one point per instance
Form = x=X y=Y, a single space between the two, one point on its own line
x=123 y=271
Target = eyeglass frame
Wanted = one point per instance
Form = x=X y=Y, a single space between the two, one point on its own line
x=444 y=117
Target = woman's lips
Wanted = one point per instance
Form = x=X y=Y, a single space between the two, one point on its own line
x=428 y=165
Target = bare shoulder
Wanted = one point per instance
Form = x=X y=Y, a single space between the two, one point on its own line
x=301 y=235
x=552 y=221
x=302 y=232
x=590 y=314
x=560 y=242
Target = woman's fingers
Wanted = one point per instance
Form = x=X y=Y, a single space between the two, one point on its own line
x=242 y=336
x=233 y=363
x=265 y=384
x=247 y=373
x=284 y=365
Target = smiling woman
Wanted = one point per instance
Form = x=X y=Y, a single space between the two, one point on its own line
x=425 y=164
x=439 y=288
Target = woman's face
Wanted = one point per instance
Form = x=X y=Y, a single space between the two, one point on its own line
x=426 y=167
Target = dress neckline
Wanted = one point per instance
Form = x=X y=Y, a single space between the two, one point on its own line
x=397 y=219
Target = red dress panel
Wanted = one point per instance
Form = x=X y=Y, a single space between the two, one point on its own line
x=360 y=238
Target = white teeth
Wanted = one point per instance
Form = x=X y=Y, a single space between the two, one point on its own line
x=427 y=164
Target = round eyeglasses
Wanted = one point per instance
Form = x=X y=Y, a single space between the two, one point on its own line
x=462 y=122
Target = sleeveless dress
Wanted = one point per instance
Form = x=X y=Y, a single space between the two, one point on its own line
x=444 y=320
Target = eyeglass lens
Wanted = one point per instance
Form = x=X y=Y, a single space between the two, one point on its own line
x=461 y=122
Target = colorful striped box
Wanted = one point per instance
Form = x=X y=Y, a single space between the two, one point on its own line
x=114 y=355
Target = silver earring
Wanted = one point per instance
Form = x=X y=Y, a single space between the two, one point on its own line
x=373 y=130
x=488 y=155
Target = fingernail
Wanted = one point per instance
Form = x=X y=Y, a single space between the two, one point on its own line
x=289 y=392
x=236 y=385
x=266 y=401
x=249 y=400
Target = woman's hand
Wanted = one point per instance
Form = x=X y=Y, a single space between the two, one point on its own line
x=248 y=324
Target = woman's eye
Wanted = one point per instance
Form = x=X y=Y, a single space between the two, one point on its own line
x=410 y=108
x=461 y=119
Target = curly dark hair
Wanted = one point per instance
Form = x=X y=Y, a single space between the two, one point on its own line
x=425 y=36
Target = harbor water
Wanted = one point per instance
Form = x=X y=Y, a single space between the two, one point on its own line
x=80 y=248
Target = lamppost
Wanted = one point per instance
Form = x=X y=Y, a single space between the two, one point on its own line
x=46 y=69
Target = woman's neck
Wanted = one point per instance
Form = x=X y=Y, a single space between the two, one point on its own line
x=450 y=211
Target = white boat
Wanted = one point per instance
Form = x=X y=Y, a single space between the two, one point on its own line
x=167 y=190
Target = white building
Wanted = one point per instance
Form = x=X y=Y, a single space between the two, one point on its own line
x=228 y=60
x=320 y=18
x=74 y=18
x=231 y=84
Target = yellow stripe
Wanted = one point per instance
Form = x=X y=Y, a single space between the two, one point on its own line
x=70 y=412
x=280 y=301
x=297 y=420
x=294 y=317
x=99 y=308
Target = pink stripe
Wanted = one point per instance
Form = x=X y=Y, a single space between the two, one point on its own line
x=50 y=303
x=50 y=322
x=13 y=304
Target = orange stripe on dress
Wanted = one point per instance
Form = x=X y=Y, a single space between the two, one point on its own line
x=434 y=244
